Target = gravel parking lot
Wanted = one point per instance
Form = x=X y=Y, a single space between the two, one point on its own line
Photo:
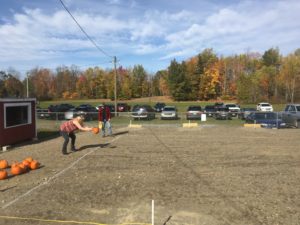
x=210 y=175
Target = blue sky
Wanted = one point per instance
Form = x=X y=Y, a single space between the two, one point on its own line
x=151 y=33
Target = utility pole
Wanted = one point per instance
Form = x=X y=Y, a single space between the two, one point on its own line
x=115 y=67
x=27 y=94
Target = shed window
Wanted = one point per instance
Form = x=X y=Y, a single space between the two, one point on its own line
x=17 y=114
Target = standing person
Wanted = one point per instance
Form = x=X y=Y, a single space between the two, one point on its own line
x=104 y=117
x=67 y=130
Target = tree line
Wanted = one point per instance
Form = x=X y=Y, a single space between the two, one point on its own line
x=247 y=78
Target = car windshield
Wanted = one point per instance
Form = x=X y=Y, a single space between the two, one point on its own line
x=265 y=116
x=194 y=108
x=231 y=105
x=223 y=109
x=265 y=104
x=169 y=109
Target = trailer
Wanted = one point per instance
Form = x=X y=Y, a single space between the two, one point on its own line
x=17 y=120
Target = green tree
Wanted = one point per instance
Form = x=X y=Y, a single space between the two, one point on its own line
x=178 y=84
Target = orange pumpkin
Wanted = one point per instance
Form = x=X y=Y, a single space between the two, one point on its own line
x=34 y=165
x=29 y=159
x=3 y=164
x=23 y=167
x=16 y=170
x=26 y=163
x=14 y=164
x=3 y=174
x=95 y=130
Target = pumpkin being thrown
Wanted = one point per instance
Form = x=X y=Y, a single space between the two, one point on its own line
x=3 y=174
x=95 y=130
x=3 y=164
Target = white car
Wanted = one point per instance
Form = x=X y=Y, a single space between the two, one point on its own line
x=234 y=109
x=264 y=107
x=169 y=112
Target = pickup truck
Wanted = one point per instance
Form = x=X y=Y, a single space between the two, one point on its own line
x=234 y=109
x=291 y=115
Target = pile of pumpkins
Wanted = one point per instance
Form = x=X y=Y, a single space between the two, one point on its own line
x=17 y=168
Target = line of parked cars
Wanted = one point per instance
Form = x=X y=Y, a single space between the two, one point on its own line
x=262 y=114
x=68 y=111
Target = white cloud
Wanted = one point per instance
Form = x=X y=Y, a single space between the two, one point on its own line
x=242 y=26
x=34 y=34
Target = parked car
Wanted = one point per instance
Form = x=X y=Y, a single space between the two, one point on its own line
x=169 y=112
x=234 y=109
x=58 y=111
x=194 y=112
x=291 y=115
x=223 y=113
x=245 y=112
x=219 y=105
x=89 y=112
x=159 y=106
x=143 y=112
x=210 y=110
x=42 y=113
x=266 y=119
x=264 y=107
x=123 y=107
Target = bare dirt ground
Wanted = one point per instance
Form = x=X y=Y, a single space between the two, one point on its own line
x=214 y=175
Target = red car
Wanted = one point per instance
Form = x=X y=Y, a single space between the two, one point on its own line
x=123 y=107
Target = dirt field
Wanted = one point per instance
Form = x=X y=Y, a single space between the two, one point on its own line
x=213 y=175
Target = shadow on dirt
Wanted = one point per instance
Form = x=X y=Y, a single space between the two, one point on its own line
x=41 y=137
x=93 y=146
x=6 y=189
x=120 y=133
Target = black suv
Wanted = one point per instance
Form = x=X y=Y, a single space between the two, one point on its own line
x=58 y=111
x=223 y=113
x=89 y=112
x=210 y=110
x=159 y=106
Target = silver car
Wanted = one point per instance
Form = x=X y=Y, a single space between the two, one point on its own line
x=169 y=112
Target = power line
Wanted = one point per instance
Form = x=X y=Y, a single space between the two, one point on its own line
x=88 y=37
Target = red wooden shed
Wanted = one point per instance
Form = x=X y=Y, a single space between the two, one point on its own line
x=17 y=120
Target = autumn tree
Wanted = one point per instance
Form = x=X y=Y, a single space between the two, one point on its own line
x=206 y=60
x=290 y=76
x=160 y=83
x=126 y=82
x=13 y=86
x=139 y=84
x=39 y=83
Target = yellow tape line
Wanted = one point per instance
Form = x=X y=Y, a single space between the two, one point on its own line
x=65 y=221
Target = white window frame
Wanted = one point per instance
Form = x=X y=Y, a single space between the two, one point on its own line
x=29 y=113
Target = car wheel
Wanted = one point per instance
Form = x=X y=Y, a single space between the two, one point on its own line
x=297 y=124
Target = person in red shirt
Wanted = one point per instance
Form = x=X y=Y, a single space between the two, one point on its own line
x=67 y=130
x=104 y=117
